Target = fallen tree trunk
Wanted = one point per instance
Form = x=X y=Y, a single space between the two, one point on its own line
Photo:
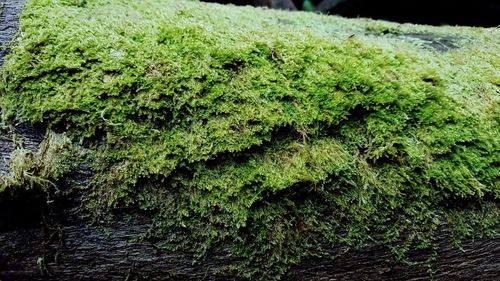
x=74 y=249
x=58 y=241
x=56 y=238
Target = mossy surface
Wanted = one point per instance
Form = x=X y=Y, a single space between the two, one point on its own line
x=272 y=134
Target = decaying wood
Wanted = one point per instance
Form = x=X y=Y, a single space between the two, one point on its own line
x=54 y=239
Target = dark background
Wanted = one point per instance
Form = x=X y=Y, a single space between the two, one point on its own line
x=484 y=13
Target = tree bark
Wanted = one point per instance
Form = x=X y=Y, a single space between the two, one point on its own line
x=9 y=19
x=54 y=238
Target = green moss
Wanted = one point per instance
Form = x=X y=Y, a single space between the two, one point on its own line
x=274 y=134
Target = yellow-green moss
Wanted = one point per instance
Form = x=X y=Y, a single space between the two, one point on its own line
x=274 y=134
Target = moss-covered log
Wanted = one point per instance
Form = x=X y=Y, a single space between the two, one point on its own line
x=259 y=144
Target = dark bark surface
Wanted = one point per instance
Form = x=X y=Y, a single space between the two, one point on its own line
x=9 y=13
x=57 y=241
x=45 y=238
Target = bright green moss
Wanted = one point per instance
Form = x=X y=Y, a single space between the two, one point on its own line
x=275 y=134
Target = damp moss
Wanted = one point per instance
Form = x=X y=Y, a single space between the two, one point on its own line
x=273 y=135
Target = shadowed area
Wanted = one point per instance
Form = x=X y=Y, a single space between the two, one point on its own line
x=439 y=12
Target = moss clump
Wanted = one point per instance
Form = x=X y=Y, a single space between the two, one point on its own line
x=272 y=134
x=41 y=169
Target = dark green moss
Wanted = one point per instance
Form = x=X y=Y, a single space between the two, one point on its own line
x=276 y=140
